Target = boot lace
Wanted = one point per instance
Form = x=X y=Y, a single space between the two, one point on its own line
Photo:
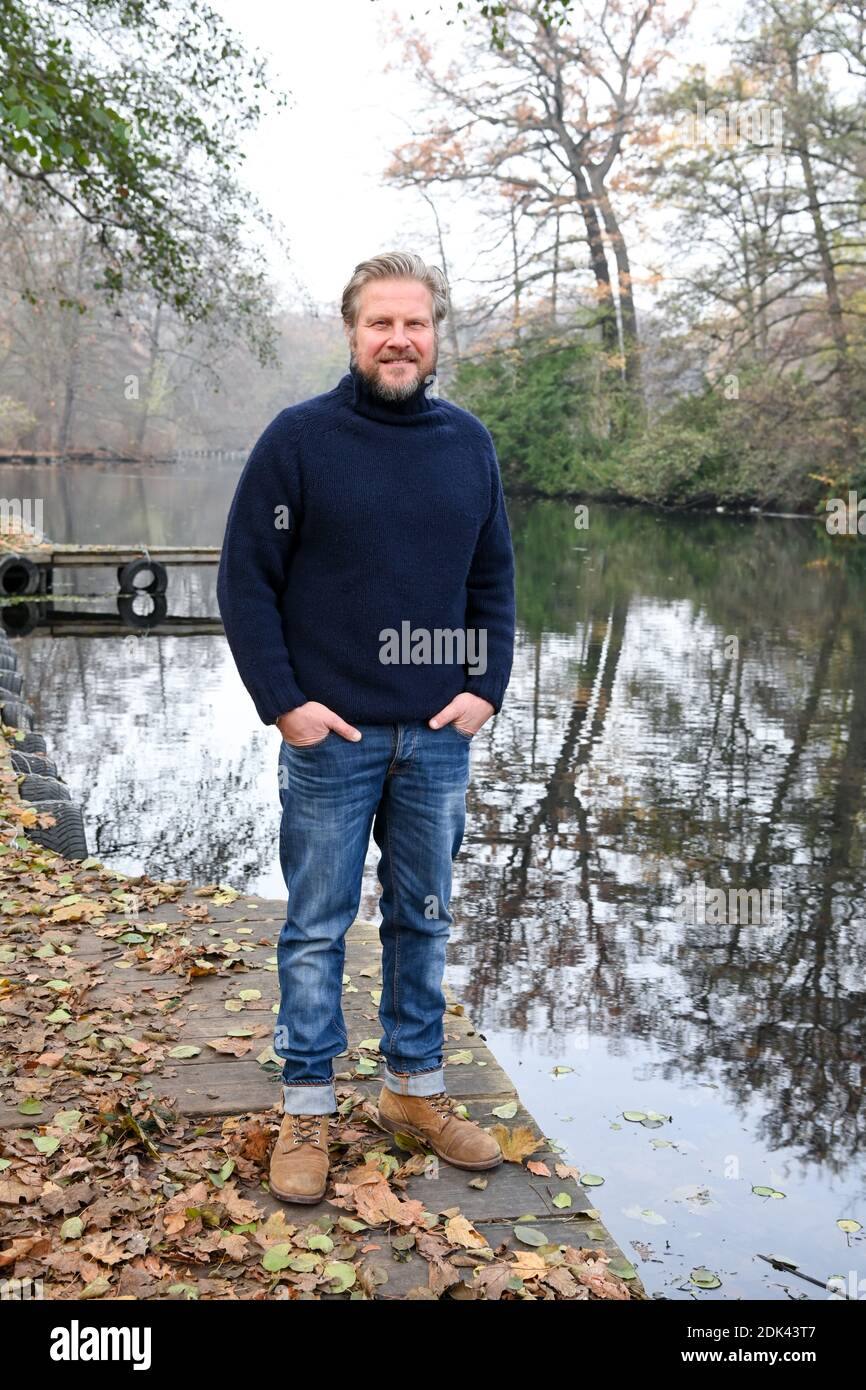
x=305 y=1128
x=444 y=1105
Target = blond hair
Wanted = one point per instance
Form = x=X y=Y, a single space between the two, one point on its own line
x=395 y=265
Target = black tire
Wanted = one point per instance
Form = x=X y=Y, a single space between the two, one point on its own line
x=18 y=576
x=142 y=621
x=20 y=618
x=33 y=762
x=30 y=743
x=35 y=788
x=67 y=836
x=10 y=684
x=142 y=577
x=16 y=714
x=8 y=660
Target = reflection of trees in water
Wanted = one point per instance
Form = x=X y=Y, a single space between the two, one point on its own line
x=777 y=1008
x=128 y=721
x=216 y=832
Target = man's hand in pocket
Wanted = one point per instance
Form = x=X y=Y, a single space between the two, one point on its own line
x=311 y=723
x=466 y=711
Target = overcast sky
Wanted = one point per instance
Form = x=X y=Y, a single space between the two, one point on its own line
x=317 y=165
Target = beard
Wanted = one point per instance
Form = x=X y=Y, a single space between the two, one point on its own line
x=395 y=390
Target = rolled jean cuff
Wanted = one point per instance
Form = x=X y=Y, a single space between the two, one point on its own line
x=309 y=1098
x=415 y=1083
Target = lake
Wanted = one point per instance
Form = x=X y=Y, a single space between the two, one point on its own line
x=687 y=713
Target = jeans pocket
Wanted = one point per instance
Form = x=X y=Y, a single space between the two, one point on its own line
x=462 y=733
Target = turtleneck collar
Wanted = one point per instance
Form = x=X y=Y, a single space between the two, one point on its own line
x=419 y=408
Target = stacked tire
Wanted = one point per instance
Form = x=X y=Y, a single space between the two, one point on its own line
x=40 y=786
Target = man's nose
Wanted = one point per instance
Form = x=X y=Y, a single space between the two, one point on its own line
x=399 y=337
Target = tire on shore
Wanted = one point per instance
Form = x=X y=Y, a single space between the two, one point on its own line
x=16 y=714
x=35 y=788
x=67 y=835
x=33 y=762
x=11 y=684
x=30 y=743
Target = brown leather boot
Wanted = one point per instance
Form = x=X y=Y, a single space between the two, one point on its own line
x=434 y=1120
x=299 y=1160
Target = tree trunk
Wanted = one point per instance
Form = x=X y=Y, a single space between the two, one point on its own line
x=628 y=316
x=144 y=413
x=71 y=382
x=598 y=263
x=845 y=395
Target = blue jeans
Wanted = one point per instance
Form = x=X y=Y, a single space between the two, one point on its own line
x=408 y=782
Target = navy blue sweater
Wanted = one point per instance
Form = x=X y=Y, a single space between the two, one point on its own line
x=354 y=516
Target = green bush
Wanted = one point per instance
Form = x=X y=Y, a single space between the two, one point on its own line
x=542 y=409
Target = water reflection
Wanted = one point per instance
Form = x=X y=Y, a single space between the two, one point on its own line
x=688 y=703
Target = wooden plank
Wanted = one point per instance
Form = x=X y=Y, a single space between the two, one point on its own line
x=110 y=624
x=86 y=555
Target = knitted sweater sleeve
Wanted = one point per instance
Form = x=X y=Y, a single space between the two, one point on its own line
x=260 y=537
x=490 y=604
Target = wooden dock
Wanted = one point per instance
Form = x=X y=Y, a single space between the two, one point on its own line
x=51 y=621
x=88 y=555
x=134 y=997
x=27 y=570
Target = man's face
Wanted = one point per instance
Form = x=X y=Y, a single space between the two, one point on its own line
x=394 y=342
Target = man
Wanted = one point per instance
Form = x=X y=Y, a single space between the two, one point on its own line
x=366 y=585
